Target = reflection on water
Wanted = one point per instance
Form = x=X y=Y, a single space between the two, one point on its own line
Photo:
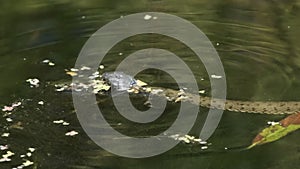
x=256 y=40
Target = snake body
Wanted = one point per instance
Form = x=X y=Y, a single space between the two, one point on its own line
x=120 y=81
x=262 y=107
x=267 y=107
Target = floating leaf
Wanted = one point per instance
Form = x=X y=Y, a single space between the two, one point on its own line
x=277 y=130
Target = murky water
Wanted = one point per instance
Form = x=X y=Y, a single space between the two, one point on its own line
x=258 y=44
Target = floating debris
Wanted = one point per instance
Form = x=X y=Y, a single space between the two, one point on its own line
x=74 y=70
x=10 y=108
x=41 y=102
x=189 y=137
x=202 y=142
x=5 y=135
x=7 y=108
x=204 y=147
x=71 y=73
x=4 y=159
x=147 y=17
x=101 y=67
x=61 y=89
x=201 y=91
x=58 y=121
x=27 y=163
x=71 y=133
x=8 y=154
x=94 y=75
x=33 y=82
x=31 y=149
x=3 y=147
x=186 y=138
x=64 y=123
x=141 y=83
x=120 y=53
x=272 y=123
x=216 y=76
x=99 y=85
x=47 y=61
x=85 y=68
x=9 y=119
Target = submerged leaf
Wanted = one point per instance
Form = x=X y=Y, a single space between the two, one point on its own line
x=278 y=130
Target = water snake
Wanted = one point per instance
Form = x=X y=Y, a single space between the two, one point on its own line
x=122 y=82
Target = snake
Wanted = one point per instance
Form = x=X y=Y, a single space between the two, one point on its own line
x=122 y=82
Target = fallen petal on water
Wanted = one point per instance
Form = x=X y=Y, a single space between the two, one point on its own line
x=74 y=70
x=204 y=147
x=5 y=135
x=33 y=82
x=41 y=102
x=7 y=108
x=101 y=67
x=216 y=76
x=71 y=133
x=147 y=17
x=8 y=154
x=66 y=123
x=58 y=121
x=31 y=149
x=27 y=163
x=71 y=73
x=141 y=83
x=4 y=159
x=51 y=64
x=85 y=68
x=46 y=61
x=9 y=120
x=3 y=147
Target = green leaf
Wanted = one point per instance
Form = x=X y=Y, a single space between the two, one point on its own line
x=277 y=131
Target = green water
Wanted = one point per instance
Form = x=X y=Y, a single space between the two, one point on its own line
x=258 y=42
